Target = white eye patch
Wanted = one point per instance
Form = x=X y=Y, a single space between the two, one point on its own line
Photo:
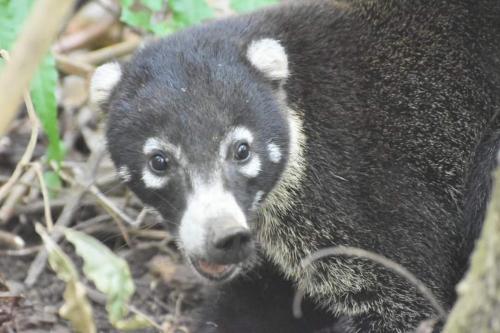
x=155 y=144
x=252 y=168
x=239 y=133
x=150 y=179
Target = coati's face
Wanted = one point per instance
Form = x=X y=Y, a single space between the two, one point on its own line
x=201 y=134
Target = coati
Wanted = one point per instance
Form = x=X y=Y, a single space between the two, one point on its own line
x=265 y=137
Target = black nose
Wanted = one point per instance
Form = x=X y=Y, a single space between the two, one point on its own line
x=229 y=245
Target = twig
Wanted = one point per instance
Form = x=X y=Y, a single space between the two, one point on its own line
x=357 y=252
x=30 y=148
x=140 y=218
x=111 y=52
x=33 y=43
x=69 y=65
x=152 y=234
x=21 y=252
x=55 y=204
x=96 y=220
x=45 y=195
x=8 y=207
x=108 y=205
x=85 y=36
x=38 y=264
x=11 y=240
x=137 y=312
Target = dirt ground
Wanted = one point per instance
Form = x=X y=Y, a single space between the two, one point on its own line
x=166 y=291
x=30 y=292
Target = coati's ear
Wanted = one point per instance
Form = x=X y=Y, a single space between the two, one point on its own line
x=103 y=81
x=269 y=57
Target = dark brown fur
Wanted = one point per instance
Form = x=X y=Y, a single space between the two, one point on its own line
x=400 y=102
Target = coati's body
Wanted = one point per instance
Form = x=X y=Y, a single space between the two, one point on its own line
x=397 y=102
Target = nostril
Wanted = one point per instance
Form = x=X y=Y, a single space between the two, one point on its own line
x=233 y=240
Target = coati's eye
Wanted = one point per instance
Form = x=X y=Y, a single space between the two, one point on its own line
x=242 y=152
x=158 y=163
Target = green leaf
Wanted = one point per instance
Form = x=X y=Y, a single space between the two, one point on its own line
x=110 y=273
x=76 y=307
x=154 y=5
x=12 y=15
x=189 y=12
x=242 y=6
x=43 y=93
x=53 y=182
x=138 y=19
x=184 y=14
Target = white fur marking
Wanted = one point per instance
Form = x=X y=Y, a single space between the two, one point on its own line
x=257 y=199
x=281 y=199
x=124 y=173
x=151 y=180
x=151 y=145
x=252 y=168
x=236 y=134
x=269 y=57
x=274 y=152
x=154 y=144
x=103 y=81
x=208 y=200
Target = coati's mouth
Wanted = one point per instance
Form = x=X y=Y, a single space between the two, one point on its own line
x=212 y=271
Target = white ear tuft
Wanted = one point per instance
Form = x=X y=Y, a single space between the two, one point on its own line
x=269 y=57
x=103 y=81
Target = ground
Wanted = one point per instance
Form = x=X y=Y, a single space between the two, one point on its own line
x=166 y=291
x=91 y=199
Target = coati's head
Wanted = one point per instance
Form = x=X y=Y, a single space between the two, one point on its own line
x=199 y=130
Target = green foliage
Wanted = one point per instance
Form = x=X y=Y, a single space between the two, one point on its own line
x=242 y=6
x=12 y=15
x=43 y=88
x=53 y=182
x=188 y=12
x=111 y=275
x=141 y=14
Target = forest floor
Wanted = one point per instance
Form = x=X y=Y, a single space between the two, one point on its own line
x=166 y=291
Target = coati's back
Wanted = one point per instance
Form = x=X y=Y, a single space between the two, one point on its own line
x=397 y=101
x=400 y=102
